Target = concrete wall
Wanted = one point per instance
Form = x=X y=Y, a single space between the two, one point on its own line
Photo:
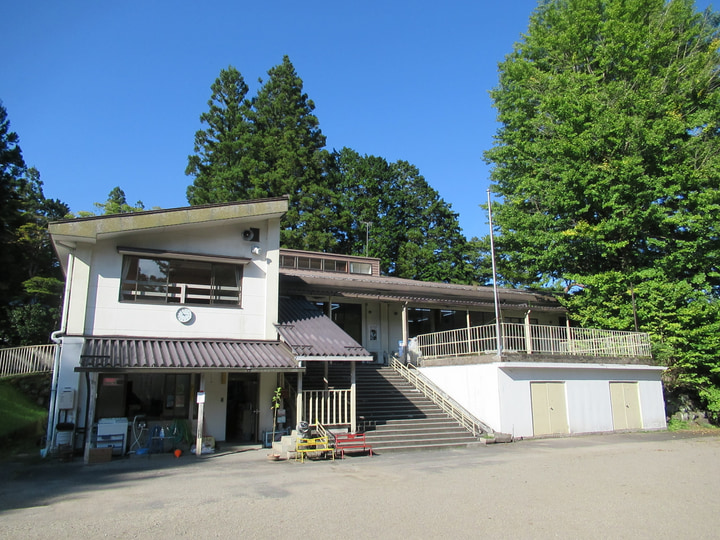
x=499 y=393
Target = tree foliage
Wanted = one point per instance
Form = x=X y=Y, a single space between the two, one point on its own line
x=409 y=227
x=267 y=146
x=271 y=145
x=31 y=283
x=608 y=163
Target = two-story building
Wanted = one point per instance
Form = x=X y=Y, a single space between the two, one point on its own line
x=171 y=312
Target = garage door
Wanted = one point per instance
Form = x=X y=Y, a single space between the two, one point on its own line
x=549 y=408
x=625 y=400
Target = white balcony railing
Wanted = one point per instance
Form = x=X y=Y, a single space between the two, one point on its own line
x=534 y=339
x=32 y=359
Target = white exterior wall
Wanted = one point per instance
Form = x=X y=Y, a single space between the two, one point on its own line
x=92 y=305
x=106 y=315
x=499 y=393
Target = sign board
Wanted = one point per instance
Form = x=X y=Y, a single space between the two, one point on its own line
x=200 y=397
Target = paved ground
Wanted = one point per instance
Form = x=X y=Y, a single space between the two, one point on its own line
x=647 y=485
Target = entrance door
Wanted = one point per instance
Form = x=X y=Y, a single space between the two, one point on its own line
x=242 y=408
x=549 y=409
x=625 y=401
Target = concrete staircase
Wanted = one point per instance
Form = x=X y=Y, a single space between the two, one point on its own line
x=394 y=415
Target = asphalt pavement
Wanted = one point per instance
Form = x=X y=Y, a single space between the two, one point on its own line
x=625 y=485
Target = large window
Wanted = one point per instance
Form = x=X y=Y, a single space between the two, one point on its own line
x=176 y=281
x=157 y=396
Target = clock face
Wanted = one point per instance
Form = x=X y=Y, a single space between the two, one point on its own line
x=184 y=315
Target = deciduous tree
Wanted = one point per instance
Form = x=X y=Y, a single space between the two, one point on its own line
x=608 y=163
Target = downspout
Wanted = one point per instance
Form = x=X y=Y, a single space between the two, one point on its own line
x=57 y=338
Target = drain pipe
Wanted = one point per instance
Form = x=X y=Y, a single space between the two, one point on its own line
x=57 y=338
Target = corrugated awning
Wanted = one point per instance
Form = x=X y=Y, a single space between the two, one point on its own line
x=144 y=354
x=313 y=336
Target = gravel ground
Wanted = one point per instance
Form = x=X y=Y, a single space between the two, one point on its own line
x=647 y=485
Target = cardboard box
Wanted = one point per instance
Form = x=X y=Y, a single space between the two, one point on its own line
x=100 y=455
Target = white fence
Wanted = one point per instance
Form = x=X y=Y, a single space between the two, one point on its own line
x=19 y=360
x=539 y=339
x=328 y=407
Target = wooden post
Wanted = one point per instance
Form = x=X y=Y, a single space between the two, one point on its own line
x=92 y=392
x=201 y=414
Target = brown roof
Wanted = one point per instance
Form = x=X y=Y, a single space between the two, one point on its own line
x=310 y=283
x=129 y=353
x=313 y=336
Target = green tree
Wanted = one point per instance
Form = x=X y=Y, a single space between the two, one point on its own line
x=223 y=162
x=31 y=283
x=267 y=146
x=116 y=203
x=412 y=230
x=291 y=160
x=608 y=162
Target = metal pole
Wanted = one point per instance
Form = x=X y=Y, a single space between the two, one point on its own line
x=498 y=323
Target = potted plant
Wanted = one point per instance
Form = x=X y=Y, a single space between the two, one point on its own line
x=276 y=402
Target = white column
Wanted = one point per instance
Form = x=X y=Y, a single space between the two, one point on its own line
x=353 y=399
x=90 y=415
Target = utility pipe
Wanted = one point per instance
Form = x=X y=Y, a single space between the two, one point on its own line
x=57 y=338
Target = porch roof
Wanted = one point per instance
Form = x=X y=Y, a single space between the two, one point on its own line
x=313 y=336
x=323 y=285
x=144 y=354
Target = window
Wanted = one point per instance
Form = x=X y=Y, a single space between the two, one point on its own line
x=176 y=281
x=361 y=268
x=156 y=396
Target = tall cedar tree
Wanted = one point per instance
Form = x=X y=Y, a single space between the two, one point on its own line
x=413 y=231
x=269 y=146
x=31 y=286
x=222 y=161
x=608 y=161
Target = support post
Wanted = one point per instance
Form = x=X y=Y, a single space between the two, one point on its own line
x=528 y=334
x=405 y=333
x=92 y=392
x=353 y=399
x=299 y=399
x=201 y=416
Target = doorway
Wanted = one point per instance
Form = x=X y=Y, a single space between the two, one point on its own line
x=242 y=408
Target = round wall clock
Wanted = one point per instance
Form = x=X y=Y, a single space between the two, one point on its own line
x=184 y=315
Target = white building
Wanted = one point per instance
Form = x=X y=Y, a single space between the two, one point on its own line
x=161 y=306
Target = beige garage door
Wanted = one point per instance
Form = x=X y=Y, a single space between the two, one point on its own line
x=625 y=400
x=549 y=408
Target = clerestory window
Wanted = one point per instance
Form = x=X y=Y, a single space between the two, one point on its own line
x=178 y=281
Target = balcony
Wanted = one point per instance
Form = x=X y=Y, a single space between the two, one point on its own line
x=526 y=342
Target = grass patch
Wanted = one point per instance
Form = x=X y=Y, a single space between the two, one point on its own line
x=678 y=425
x=22 y=422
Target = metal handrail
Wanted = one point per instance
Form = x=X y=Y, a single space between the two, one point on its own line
x=441 y=399
x=31 y=359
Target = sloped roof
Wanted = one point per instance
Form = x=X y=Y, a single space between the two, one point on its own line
x=143 y=354
x=313 y=336
x=310 y=283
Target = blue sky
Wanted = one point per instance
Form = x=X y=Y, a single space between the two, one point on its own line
x=106 y=94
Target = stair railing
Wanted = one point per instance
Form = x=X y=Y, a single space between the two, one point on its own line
x=440 y=398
